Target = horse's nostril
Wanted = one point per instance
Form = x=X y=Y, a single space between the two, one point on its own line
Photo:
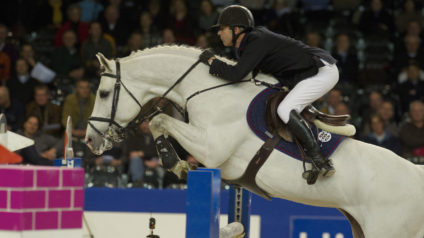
x=88 y=141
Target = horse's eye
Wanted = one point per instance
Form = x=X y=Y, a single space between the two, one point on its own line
x=104 y=94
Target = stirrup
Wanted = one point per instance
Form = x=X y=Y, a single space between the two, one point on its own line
x=166 y=152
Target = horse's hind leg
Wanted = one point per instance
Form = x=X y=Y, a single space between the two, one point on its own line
x=191 y=138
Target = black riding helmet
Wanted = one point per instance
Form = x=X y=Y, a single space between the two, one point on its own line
x=236 y=15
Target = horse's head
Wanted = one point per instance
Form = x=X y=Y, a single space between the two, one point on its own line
x=114 y=108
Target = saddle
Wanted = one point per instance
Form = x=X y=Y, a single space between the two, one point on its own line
x=310 y=113
x=278 y=130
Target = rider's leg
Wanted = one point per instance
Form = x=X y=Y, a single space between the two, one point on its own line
x=303 y=94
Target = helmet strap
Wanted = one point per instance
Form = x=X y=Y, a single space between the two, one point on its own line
x=236 y=36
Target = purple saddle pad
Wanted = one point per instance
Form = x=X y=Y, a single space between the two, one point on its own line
x=256 y=120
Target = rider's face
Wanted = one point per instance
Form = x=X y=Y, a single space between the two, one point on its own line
x=226 y=35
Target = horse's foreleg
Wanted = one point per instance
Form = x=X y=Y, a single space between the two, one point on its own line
x=190 y=137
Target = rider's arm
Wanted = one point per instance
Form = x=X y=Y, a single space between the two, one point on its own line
x=255 y=50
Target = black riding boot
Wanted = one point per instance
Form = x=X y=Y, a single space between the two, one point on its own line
x=303 y=133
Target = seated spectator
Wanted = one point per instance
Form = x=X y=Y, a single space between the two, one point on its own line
x=334 y=97
x=341 y=109
x=7 y=48
x=283 y=19
x=411 y=134
x=5 y=68
x=75 y=24
x=375 y=99
x=12 y=109
x=135 y=43
x=141 y=151
x=376 y=20
x=409 y=52
x=51 y=14
x=181 y=23
x=46 y=148
x=387 y=113
x=412 y=89
x=37 y=69
x=47 y=113
x=313 y=38
x=79 y=106
x=208 y=15
x=90 y=10
x=202 y=41
x=66 y=60
x=150 y=33
x=347 y=60
x=22 y=85
x=96 y=43
x=381 y=137
x=157 y=13
x=168 y=37
x=113 y=25
x=408 y=13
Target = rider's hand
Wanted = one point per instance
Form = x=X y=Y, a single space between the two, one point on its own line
x=205 y=56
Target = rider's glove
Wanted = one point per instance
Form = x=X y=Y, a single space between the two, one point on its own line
x=205 y=56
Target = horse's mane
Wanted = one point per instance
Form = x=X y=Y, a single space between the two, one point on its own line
x=180 y=50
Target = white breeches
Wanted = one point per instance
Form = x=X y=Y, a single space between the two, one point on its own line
x=308 y=90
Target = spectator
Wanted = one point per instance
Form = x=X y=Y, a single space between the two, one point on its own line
x=375 y=99
x=51 y=14
x=313 y=39
x=408 y=13
x=376 y=20
x=12 y=109
x=208 y=15
x=75 y=24
x=408 y=53
x=168 y=37
x=381 y=137
x=412 y=89
x=114 y=25
x=5 y=68
x=411 y=134
x=347 y=60
x=135 y=43
x=140 y=151
x=283 y=19
x=90 y=10
x=181 y=23
x=96 y=43
x=202 y=41
x=387 y=113
x=47 y=113
x=79 y=106
x=334 y=97
x=38 y=70
x=66 y=60
x=7 y=48
x=46 y=148
x=341 y=109
x=22 y=84
x=150 y=32
x=157 y=13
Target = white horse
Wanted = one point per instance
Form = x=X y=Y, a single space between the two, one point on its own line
x=380 y=193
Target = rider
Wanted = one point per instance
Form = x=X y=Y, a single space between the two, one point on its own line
x=310 y=72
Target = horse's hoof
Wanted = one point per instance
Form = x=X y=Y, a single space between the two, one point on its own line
x=166 y=152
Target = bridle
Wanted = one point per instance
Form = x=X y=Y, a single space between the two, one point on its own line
x=116 y=132
x=119 y=133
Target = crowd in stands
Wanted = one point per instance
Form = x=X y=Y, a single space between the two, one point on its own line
x=49 y=71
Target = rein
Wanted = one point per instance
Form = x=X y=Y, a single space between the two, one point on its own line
x=119 y=134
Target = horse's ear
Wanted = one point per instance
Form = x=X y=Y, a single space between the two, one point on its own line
x=103 y=61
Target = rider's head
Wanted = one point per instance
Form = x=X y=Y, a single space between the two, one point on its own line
x=233 y=21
